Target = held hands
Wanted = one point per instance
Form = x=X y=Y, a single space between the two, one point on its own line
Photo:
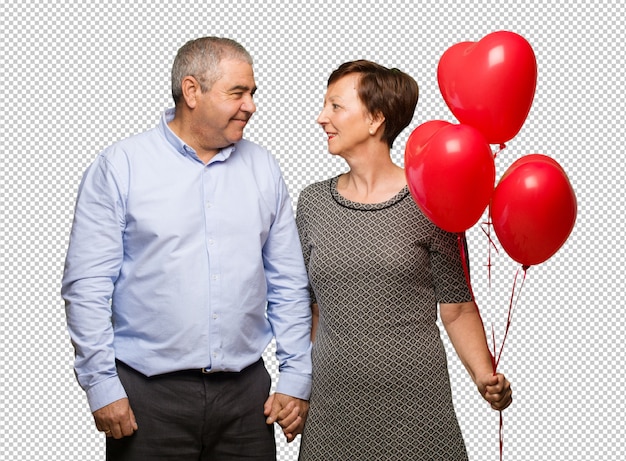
x=116 y=420
x=496 y=390
x=289 y=412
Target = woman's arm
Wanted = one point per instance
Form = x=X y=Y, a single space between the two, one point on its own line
x=465 y=330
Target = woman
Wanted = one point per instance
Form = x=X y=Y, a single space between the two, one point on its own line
x=378 y=268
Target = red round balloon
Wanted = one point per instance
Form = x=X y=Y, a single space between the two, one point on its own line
x=532 y=158
x=490 y=84
x=533 y=210
x=451 y=175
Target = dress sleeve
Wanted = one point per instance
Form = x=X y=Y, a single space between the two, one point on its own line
x=447 y=267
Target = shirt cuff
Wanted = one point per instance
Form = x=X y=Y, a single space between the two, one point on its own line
x=295 y=385
x=105 y=392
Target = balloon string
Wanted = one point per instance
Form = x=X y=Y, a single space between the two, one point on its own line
x=501 y=432
x=512 y=304
x=462 y=244
x=495 y=362
x=495 y=367
x=491 y=245
x=500 y=149
x=464 y=257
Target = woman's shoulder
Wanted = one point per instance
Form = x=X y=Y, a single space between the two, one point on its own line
x=314 y=196
x=317 y=189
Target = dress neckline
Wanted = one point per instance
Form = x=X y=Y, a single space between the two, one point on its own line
x=341 y=200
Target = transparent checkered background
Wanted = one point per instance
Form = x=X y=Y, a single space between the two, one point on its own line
x=76 y=76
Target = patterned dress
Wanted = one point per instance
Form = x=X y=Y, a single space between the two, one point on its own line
x=381 y=389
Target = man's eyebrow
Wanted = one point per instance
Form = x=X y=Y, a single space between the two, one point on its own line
x=243 y=88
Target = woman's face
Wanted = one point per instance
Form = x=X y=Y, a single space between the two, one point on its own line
x=344 y=118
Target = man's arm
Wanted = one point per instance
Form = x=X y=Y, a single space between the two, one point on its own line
x=289 y=312
x=92 y=265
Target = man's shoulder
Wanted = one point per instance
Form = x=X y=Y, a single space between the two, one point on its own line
x=149 y=136
x=255 y=156
x=132 y=145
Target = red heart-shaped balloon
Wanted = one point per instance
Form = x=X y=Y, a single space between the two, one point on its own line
x=420 y=136
x=450 y=173
x=490 y=84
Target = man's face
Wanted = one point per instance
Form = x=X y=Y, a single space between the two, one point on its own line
x=222 y=112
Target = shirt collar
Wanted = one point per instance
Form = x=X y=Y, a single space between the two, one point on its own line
x=183 y=148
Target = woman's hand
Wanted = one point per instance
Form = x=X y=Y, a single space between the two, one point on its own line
x=496 y=390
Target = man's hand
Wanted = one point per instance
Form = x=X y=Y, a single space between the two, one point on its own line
x=116 y=420
x=289 y=412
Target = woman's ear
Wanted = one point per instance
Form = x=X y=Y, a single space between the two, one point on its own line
x=376 y=121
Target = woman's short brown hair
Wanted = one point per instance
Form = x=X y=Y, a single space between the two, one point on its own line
x=389 y=92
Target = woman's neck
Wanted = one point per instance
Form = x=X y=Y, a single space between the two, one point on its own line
x=371 y=181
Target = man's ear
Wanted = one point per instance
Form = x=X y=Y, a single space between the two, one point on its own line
x=191 y=89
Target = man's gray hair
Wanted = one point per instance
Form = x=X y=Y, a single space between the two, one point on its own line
x=200 y=58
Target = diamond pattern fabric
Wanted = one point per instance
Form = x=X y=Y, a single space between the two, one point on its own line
x=381 y=389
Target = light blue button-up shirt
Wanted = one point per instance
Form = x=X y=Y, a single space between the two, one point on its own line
x=173 y=264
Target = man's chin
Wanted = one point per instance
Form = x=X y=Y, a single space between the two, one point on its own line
x=236 y=136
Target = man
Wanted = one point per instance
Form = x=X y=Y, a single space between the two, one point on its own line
x=183 y=263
